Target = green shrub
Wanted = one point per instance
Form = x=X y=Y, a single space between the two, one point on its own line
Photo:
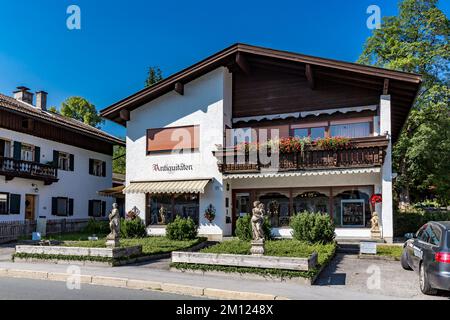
x=182 y=229
x=411 y=220
x=313 y=227
x=132 y=228
x=244 y=228
x=97 y=227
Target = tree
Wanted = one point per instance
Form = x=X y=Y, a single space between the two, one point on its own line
x=417 y=40
x=119 y=163
x=154 y=75
x=80 y=109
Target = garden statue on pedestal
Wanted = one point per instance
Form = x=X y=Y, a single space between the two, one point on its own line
x=112 y=240
x=375 y=230
x=257 y=229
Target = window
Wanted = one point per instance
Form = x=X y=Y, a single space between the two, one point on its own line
x=4 y=203
x=317 y=133
x=277 y=207
x=314 y=133
x=97 y=168
x=351 y=130
x=312 y=201
x=435 y=235
x=351 y=206
x=242 y=135
x=5 y=148
x=27 y=152
x=97 y=208
x=301 y=133
x=62 y=206
x=163 y=208
x=64 y=161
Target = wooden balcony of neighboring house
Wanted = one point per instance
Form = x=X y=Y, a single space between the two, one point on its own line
x=360 y=153
x=14 y=168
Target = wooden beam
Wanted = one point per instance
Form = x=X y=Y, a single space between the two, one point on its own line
x=310 y=76
x=125 y=114
x=242 y=62
x=386 y=87
x=179 y=88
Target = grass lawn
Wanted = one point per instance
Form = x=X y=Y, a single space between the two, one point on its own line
x=281 y=248
x=390 y=251
x=150 y=245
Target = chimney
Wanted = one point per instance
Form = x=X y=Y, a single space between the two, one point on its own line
x=23 y=94
x=41 y=100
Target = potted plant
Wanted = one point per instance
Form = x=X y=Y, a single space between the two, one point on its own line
x=210 y=213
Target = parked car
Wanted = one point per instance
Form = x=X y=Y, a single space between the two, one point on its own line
x=428 y=253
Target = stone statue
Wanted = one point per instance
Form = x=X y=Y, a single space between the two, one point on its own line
x=257 y=221
x=162 y=214
x=112 y=240
x=375 y=230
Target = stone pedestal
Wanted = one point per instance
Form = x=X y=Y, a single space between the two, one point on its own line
x=376 y=234
x=112 y=243
x=257 y=248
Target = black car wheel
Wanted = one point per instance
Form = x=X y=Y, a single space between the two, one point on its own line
x=425 y=286
x=404 y=260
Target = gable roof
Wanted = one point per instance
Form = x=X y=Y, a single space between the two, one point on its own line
x=10 y=104
x=403 y=83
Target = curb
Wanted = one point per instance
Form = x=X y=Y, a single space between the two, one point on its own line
x=135 y=284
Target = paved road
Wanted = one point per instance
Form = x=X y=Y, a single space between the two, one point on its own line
x=26 y=289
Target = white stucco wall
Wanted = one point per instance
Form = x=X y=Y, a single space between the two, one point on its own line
x=202 y=104
x=78 y=184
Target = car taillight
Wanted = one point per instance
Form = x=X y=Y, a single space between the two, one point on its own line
x=443 y=257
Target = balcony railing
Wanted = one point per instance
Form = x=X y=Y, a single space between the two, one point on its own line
x=362 y=152
x=13 y=168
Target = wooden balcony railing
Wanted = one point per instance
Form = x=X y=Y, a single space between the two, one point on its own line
x=13 y=168
x=362 y=152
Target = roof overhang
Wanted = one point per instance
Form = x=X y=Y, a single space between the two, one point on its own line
x=404 y=86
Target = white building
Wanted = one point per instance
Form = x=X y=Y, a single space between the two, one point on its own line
x=50 y=166
x=182 y=135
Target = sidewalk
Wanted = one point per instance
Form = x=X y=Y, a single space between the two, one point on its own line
x=141 y=277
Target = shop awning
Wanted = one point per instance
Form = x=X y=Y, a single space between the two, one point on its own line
x=116 y=192
x=176 y=186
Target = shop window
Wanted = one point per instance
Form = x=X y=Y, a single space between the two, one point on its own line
x=277 y=208
x=351 y=130
x=311 y=201
x=163 y=208
x=187 y=205
x=351 y=207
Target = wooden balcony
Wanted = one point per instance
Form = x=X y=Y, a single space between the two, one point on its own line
x=362 y=153
x=12 y=168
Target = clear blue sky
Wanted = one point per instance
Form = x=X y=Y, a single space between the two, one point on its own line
x=108 y=58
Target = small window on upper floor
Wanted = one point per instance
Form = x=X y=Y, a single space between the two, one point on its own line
x=97 y=168
x=242 y=135
x=5 y=148
x=313 y=133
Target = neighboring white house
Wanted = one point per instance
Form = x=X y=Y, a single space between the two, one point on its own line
x=50 y=166
x=182 y=135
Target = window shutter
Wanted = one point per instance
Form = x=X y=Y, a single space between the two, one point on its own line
x=91 y=166
x=104 y=169
x=70 y=207
x=55 y=158
x=17 y=150
x=103 y=208
x=72 y=163
x=91 y=208
x=14 y=204
x=37 y=154
x=2 y=148
x=54 y=206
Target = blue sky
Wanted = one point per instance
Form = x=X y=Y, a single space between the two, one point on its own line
x=108 y=58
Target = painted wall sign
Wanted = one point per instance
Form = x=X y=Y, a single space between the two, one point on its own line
x=173 y=168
